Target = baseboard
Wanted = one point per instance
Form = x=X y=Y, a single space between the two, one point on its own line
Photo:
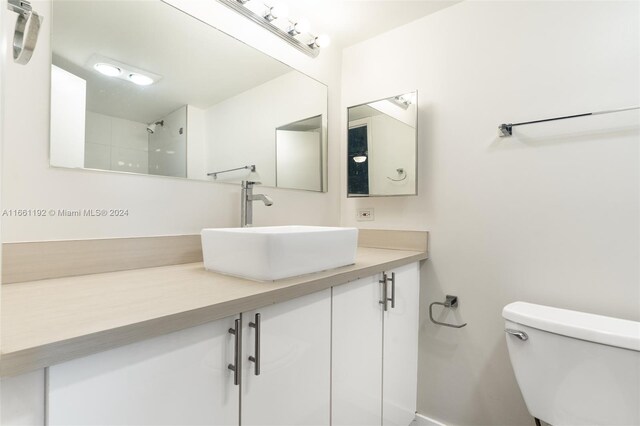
x=425 y=421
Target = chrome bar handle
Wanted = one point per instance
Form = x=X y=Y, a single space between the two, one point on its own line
x=237 y=366
x=385 y=299
x=517 y=333
x=256 y=358
x=393 y=289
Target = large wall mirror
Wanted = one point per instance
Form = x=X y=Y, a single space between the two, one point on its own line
x=382 y=147
x=142 y=87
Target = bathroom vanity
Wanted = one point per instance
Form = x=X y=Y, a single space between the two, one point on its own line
x=180 y=345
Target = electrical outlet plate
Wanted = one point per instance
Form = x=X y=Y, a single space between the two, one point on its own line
x=365 y=214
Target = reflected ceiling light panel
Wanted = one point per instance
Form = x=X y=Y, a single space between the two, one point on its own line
x=120 y=70
x=322 y=40
x=276 y=11
x=302 y=26
x=360 y=158
x=107 y=69
x=140 y=79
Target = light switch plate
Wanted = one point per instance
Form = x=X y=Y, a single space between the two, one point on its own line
x=365 y=214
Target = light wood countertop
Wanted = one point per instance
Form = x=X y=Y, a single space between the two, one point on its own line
x=51 y=321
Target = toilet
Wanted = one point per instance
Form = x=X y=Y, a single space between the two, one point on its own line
x=575 y=368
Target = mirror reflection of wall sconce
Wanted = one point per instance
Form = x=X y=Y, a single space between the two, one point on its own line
x=402 y=175
x=403 y=101
x=360 y=158
x=26 y=33
x=274 y=18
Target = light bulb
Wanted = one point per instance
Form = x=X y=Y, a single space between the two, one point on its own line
x=140 y=80
x=302 y=26
x=360 y=158
x=277 y=11
x=323 y=40
x=280 y=11
x=107 y=69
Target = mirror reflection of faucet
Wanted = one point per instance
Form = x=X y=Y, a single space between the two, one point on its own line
x=247 y=197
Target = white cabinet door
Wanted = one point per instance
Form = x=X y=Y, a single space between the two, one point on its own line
x=176 y=379
x=22 y=399
x=400 y=370
x=357 y=353
x=293 y=387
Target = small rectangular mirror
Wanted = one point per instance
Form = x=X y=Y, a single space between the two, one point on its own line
x=382 y=147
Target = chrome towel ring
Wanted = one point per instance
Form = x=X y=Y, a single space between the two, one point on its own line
x=26 y=33
x=450 y=302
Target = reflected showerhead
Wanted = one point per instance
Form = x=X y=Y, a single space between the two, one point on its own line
x=151 y=128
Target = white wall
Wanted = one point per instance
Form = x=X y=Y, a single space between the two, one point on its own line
x=113 y=143
x=157 y=205
x=242 y=130
x=550 y=215
x=68 y=101
x=298 y=159
x=392 y=146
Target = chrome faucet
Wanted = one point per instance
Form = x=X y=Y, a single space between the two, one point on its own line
x=247 y=198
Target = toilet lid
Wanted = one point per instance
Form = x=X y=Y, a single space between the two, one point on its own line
x=580 y=325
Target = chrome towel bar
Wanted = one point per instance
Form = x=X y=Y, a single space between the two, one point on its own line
x=506 y=129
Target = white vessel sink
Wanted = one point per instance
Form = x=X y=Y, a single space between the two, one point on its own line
x=275 y=252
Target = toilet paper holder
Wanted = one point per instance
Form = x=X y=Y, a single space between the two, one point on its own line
x=449 y=302
x=26 y=32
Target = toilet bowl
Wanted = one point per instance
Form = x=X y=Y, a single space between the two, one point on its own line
x=575 y=368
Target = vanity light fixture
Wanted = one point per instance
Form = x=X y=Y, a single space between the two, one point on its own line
x=404 y=101
x=295 y=32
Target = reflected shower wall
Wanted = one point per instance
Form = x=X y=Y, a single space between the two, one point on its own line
x=168 y=145
x=113 y=143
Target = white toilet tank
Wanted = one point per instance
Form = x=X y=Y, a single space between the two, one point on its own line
x=575 y=368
